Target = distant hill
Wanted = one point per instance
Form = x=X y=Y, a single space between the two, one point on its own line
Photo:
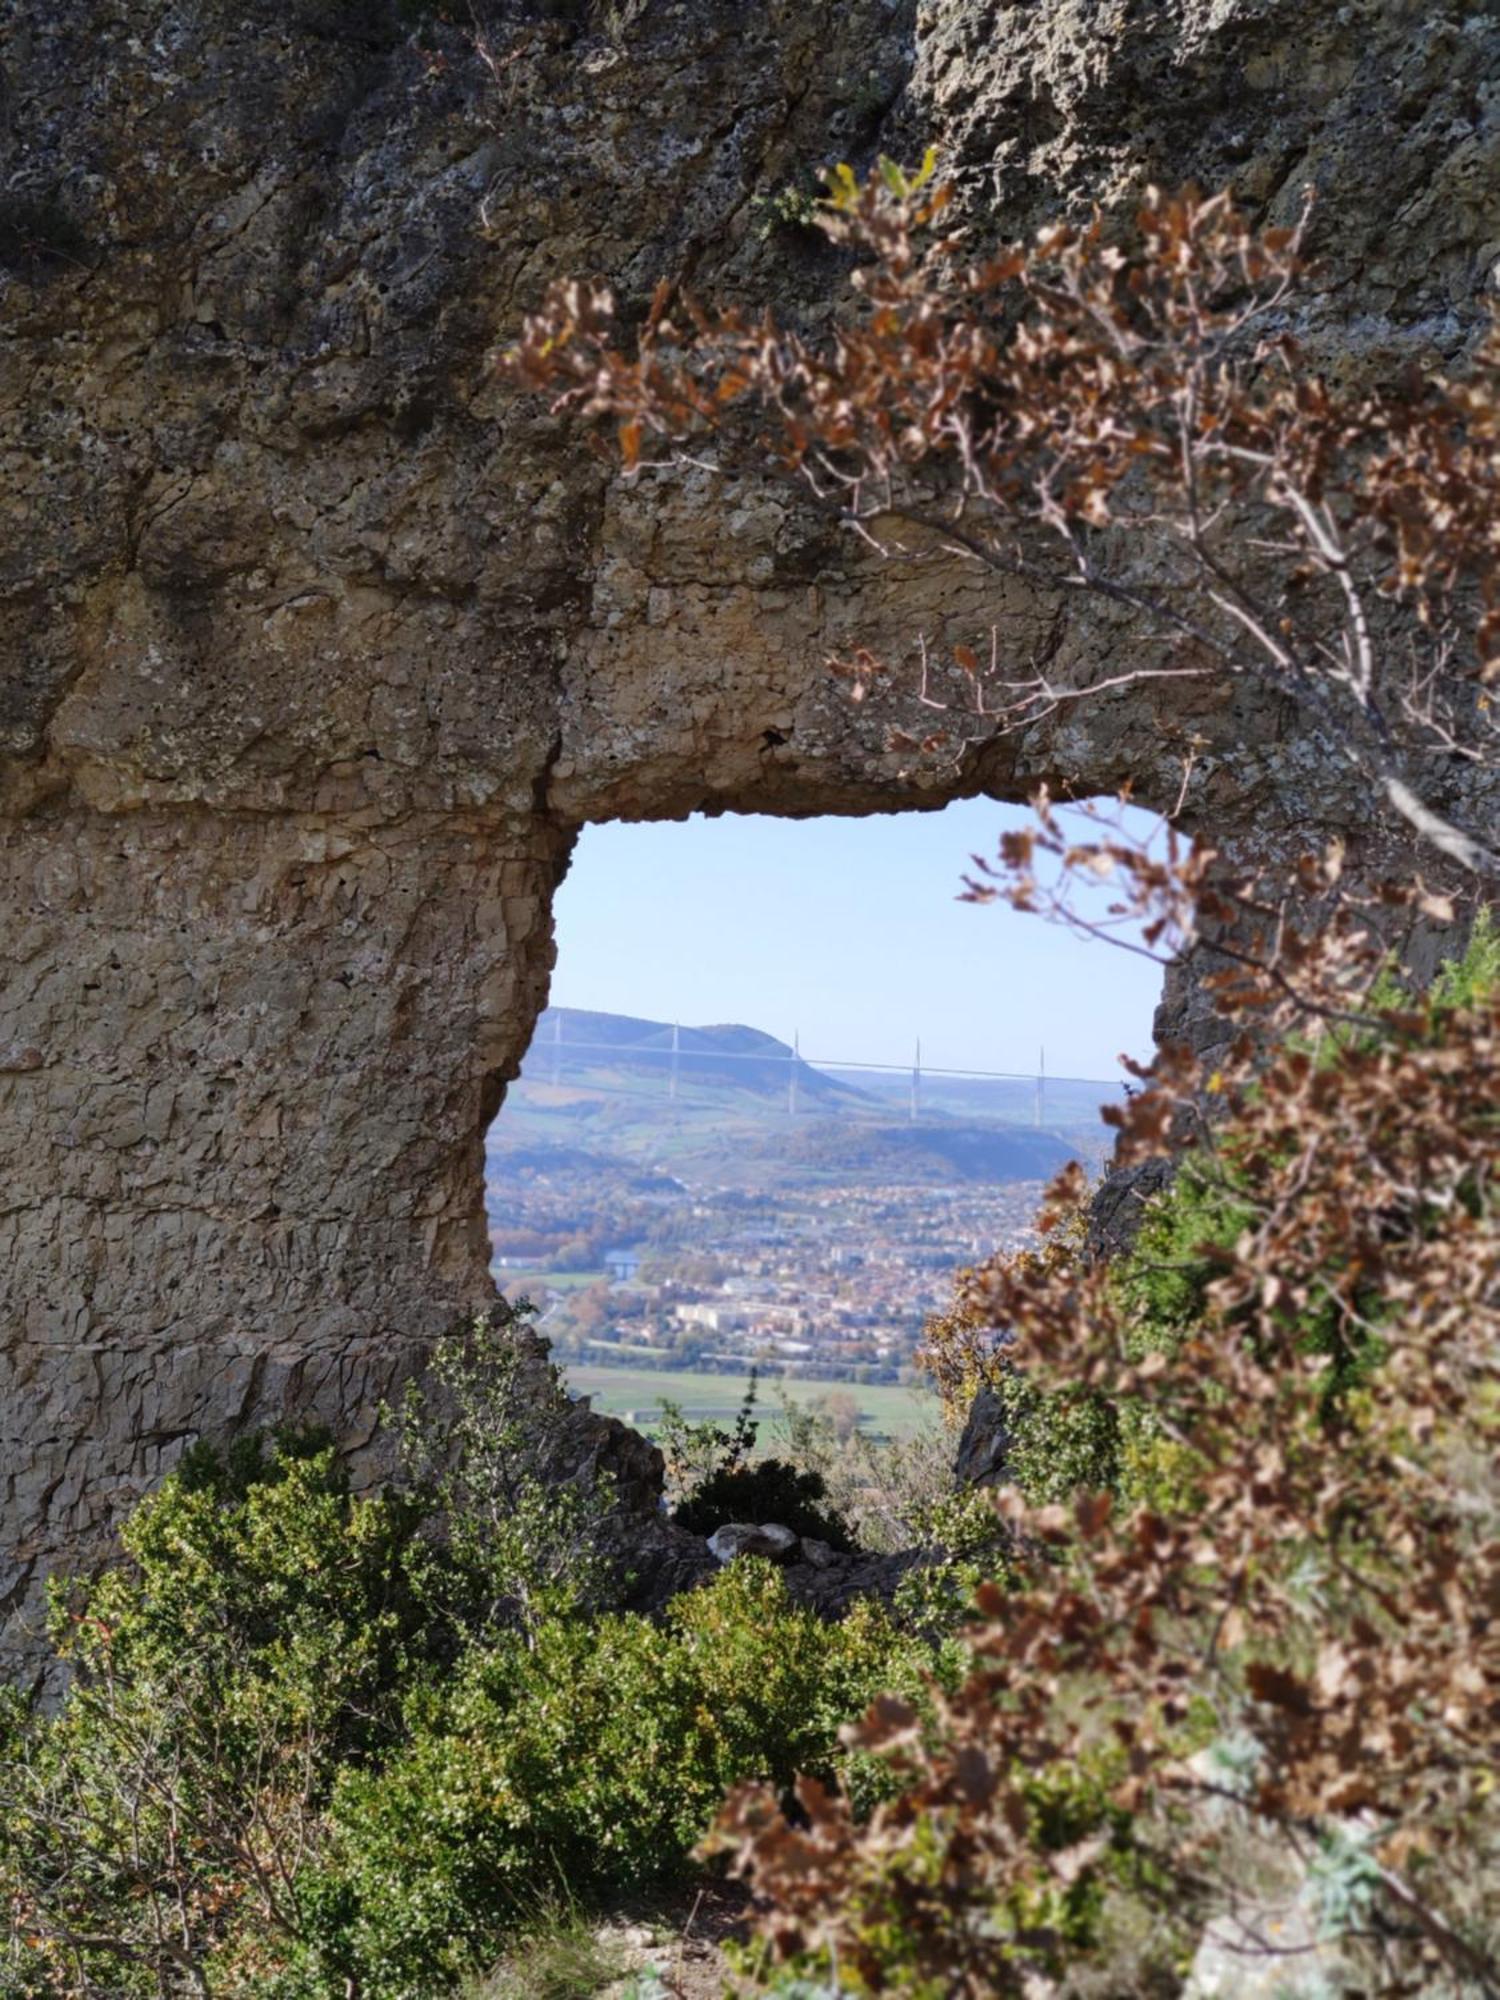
x=573 y=1043
x=1067 y=1105
x=921 y=1152
x=597 y=1088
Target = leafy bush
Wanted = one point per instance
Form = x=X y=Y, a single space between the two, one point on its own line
x=968 y=1545
x=593 y=1760
x=695 y=1452
x=768 y=1489
x=509 y=1543
x=316 y=1742
x=1295 y=1548
x=268 y=1630
x=718 y=1480
x=261 y=1634
x=888 y=1490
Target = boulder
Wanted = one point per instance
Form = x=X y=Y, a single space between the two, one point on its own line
x=744 y=1538
x=834 y=1586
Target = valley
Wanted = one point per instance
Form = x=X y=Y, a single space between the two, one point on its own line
x=704 y=1199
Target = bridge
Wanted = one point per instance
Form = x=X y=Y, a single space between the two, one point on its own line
x=671 y=1056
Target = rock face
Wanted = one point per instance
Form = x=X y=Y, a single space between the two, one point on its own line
x=316 y=649
x=983 y=1449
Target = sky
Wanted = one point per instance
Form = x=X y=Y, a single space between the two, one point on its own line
x=847 y=932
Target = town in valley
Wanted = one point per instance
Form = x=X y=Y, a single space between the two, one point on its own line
x=702 y=1199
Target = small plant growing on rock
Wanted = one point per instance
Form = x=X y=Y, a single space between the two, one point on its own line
x=697 y=1452
x=794 y=206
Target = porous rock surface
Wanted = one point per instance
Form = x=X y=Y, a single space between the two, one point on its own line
x=317 y=647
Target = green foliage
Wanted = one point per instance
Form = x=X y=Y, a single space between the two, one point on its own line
x=717 y=1480
x=969 y=1547
x=1343 y=1879
x=1473 y=977
x=558 y=1956
x=269 y=1632
x=1172 y=1261
x=1057 y=1443
x=509 y=1545
x=263 y=1565
x=793 y=206
x=696 y=1452
x=768 y=1489
x=797 y=204
x=887 y=1489
x=597 y=1760
x=900 y=183
x=316 y=1742
x=1071 y=1815
x=259 y=1636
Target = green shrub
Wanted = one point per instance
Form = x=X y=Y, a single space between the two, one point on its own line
x=968 y=1545
x=767 y=1489
x=593 y=1760
x=695 y=1452
x=507 y=1544
x=885 y=1488
x=261 y=1634
x=268 y=1631
x=316 y=1742
x=717 y=1479
x=1474 y=976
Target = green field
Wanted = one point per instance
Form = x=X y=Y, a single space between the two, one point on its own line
x=535 y=1285
x=636 y=1393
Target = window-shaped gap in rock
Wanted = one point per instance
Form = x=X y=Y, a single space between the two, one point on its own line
x=790 y=1083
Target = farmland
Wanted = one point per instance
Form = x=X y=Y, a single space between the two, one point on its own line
x=886 y=1410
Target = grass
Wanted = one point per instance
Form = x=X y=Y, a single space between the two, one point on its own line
x=887 y=1409
x=561 y=1957
x=538 y=1282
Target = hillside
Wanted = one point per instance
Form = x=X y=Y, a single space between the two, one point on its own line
x=922 y=1152
x=733 y=1105
x=1069 y=1105
x=620 y=1050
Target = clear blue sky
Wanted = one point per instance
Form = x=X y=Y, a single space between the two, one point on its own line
x=848 y=931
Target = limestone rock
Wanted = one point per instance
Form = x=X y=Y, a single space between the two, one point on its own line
x=1270 y=1951
x=982 y=1448
x=744 y=1538
x=832 y=1588
x=317 y=648
x=656 y=1562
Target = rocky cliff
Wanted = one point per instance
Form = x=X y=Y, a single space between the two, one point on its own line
x=318 y=648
